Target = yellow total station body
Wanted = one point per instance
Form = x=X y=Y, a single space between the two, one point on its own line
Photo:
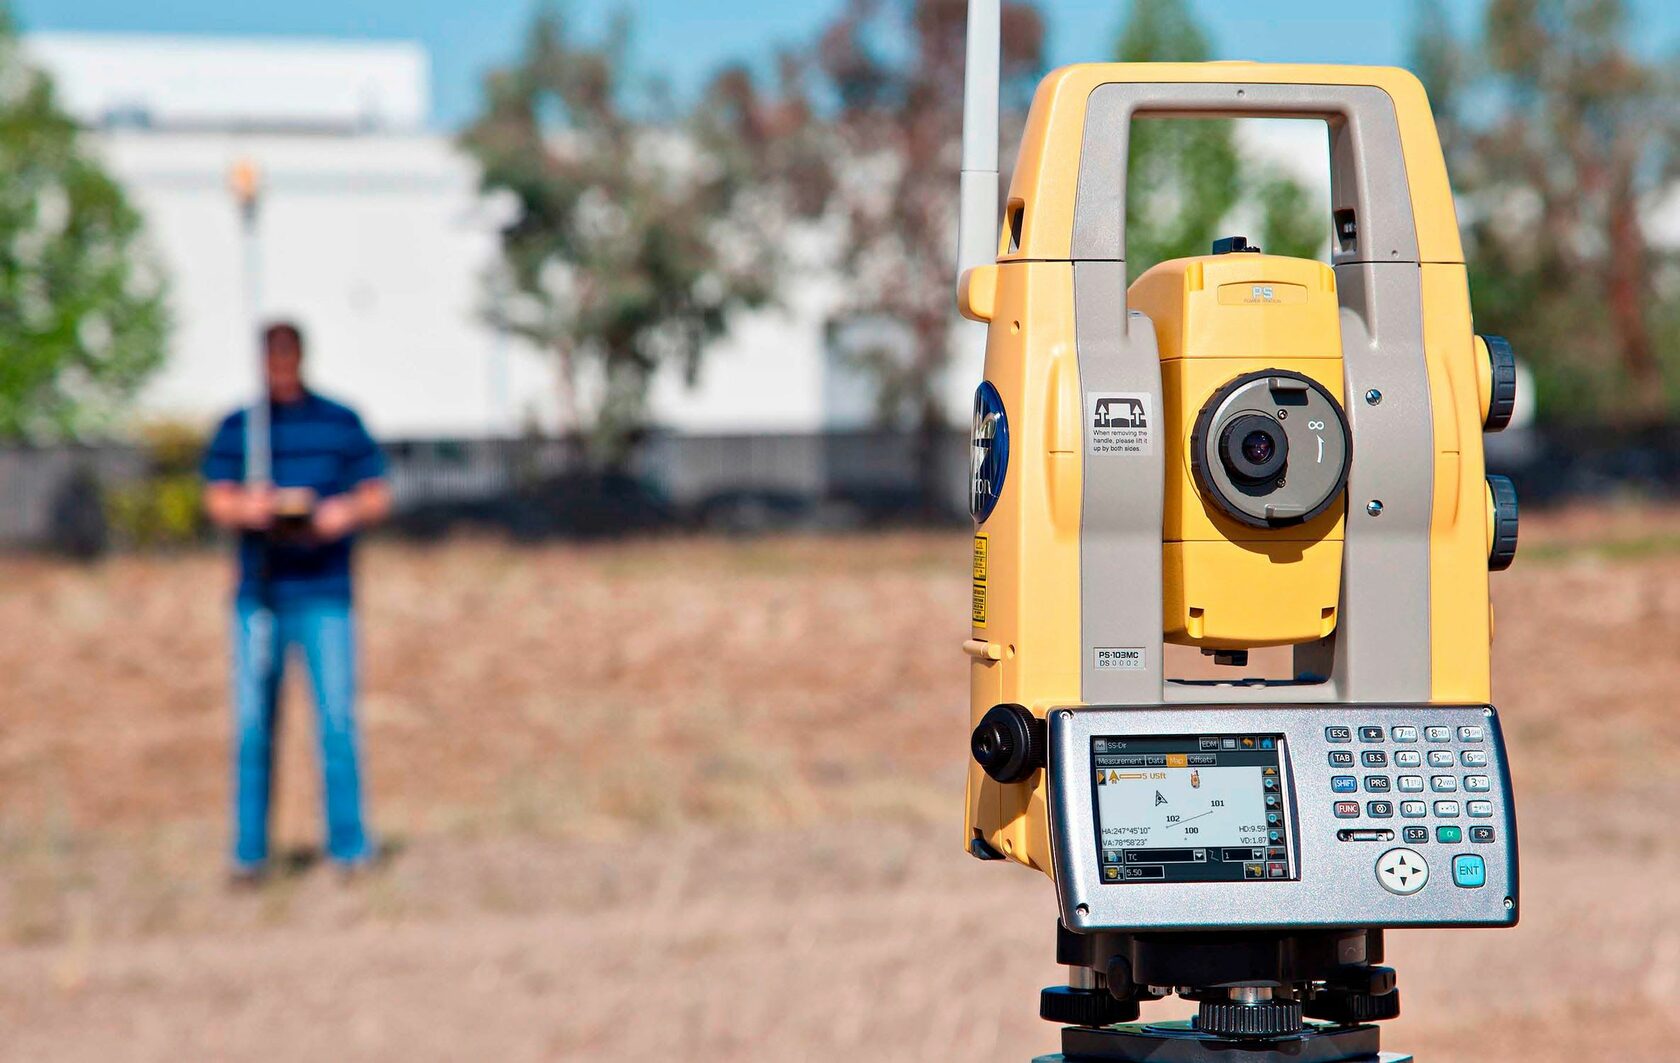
x=1114 y=398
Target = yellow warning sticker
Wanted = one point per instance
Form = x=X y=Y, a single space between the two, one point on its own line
x=978 y=612
x=979 y=559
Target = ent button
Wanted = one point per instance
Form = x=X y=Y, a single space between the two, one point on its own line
x=1468 y=871
x=1402 y=871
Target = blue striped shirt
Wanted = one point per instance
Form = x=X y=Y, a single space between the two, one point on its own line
x=319 y=444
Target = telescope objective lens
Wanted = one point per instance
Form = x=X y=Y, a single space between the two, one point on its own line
x=1258 y=447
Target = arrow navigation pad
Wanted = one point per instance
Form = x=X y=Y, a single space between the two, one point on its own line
x=1192 y=808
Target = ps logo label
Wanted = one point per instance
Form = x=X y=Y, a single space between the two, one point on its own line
x=1261 y=293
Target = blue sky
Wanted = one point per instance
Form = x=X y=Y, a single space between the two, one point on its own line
x=685 y=39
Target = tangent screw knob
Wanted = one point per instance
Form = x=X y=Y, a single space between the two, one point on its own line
x=1502 y=495
x=1503 y=368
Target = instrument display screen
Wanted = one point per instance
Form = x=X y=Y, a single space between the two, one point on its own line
x=1191 y=808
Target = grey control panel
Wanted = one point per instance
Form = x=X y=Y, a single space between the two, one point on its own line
x=1189 y=818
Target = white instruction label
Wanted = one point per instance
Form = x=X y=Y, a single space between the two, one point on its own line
x=1119 y=422
x=1126 y=657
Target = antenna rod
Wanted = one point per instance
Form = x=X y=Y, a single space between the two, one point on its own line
x=978 y=218
x=244 y=181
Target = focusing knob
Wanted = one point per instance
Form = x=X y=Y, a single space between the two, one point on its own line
x=1502 y=500
x=1084 y=1007
x=1504 y=383
x=1346 y=1008
x=1269 y=1018
x=1009 y=743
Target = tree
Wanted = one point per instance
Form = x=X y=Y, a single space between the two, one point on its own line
x=82 y=317
x=1185 y=176
x=1561 y=141
x=632 y=240
x=894 y=69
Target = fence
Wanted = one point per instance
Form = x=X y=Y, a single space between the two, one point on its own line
x=538 y=487
x=51 y=497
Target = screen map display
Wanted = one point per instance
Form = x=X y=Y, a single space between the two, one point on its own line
x=1192 y=808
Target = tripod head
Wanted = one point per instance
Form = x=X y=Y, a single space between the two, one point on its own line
x=1239 y=451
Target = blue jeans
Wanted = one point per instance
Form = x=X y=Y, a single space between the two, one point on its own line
x=324 y=630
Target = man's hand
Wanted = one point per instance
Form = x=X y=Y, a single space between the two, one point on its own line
x=335 y=517
x=256 y=507
x=240 y=508
x=368 y=503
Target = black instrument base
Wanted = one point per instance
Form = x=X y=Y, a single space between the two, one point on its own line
x=1178 y=1042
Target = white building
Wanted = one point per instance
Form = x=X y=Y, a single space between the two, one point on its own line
x=374 y=237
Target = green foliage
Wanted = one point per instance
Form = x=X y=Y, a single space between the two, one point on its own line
x=629 y=246
x=165 y=507
x=1560 y=141
x=1186 y=176
x=82 y=319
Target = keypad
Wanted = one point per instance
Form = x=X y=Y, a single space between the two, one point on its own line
x=1447 y=759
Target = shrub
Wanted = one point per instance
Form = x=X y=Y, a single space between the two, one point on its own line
x=164 y=507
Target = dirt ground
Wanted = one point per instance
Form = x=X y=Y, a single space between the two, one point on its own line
x=701 y=800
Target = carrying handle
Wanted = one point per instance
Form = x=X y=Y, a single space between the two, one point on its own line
x=1389 y=190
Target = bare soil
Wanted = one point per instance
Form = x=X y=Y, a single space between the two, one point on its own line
x=701 y=800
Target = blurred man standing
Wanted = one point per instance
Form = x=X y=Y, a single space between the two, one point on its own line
x=295 y=538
